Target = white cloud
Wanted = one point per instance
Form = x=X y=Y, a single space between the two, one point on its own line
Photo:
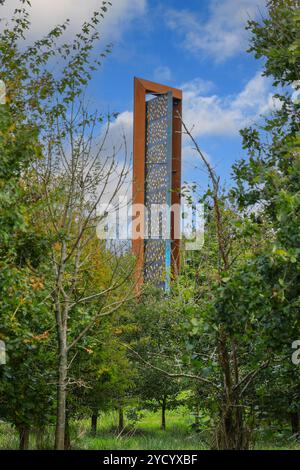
x=162 y=74
x=214 y=115
x=208 y=114
x=222 y=34
x=120 y=128
x=116 y=149
x=196 y=86
x=120 y=137
x=47 y=13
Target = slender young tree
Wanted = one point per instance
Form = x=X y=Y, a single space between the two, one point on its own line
x=75 y=171
x=77 y=177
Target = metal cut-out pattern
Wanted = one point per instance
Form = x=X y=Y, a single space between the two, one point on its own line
x=157 y=154
x=156 y=108
x=154 y=262
x=158 y=180
x=157 y=132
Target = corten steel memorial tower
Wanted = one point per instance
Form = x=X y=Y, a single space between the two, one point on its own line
x=156 y=181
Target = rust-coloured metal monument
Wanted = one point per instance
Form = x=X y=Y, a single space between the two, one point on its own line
x=156 y=180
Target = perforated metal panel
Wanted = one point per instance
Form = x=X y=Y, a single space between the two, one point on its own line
x=158 y=183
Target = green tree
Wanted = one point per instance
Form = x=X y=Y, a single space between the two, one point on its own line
x=156 y=336
x=27 y=386
x=71 y=176
x=267 y=186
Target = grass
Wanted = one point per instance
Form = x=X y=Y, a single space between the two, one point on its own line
x=146 y=434
x=8 y=437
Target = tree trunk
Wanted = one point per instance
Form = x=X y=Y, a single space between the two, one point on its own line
x=67 y=434
x=61 y=391
x=240 y=429
x=197 y=417
x=94 y=421
x=232 y=433
x=295 y=423
x=39 y=438
x=163 y=414
x=23 y=438
x=121 y=420
x=226 y=429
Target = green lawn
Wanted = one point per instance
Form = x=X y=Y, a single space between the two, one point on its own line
x=146 y=434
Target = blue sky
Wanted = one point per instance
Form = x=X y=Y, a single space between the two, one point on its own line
x=197 y=45
x=200 y=46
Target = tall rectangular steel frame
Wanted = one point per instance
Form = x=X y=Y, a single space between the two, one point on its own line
x=170 y=169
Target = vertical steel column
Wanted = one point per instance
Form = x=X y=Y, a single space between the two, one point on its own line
x=173 y=184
